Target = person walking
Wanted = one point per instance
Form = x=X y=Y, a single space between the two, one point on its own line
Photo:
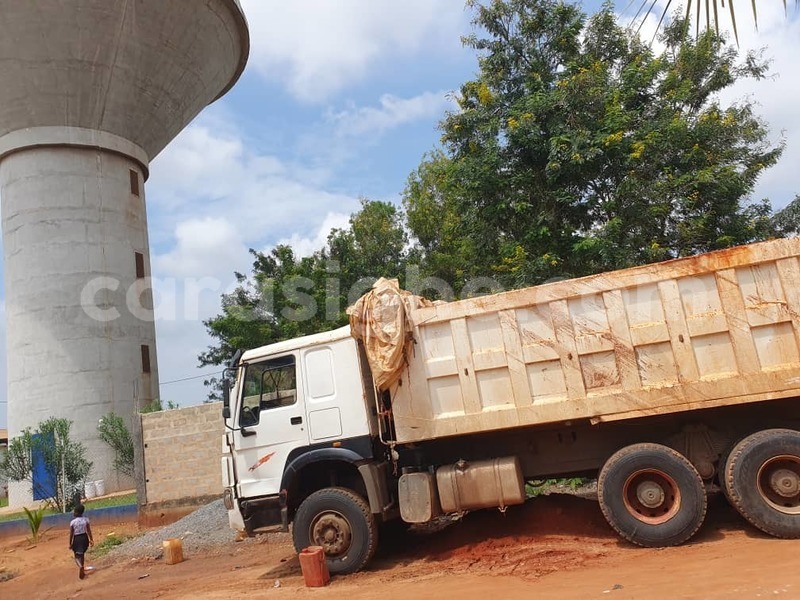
x=80 y=538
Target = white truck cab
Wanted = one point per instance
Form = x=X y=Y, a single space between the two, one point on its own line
x=300 y=411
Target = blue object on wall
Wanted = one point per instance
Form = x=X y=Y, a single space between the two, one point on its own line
x=44 y=485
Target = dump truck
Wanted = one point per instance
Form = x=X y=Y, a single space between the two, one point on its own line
x=665 y=382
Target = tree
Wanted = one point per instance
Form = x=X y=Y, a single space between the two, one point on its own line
x=115 y=433
x=288 y=296
x=786 y=222
x=64 y=461
x=449 y=245
x=577 y=150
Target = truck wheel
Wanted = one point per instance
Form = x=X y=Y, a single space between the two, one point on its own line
x=651 y=495
x=763 y=481
x=340 y=521
x=722 y=469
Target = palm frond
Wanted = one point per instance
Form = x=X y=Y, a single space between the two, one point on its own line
x=712 y=12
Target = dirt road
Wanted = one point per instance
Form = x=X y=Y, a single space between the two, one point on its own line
x=550 y=548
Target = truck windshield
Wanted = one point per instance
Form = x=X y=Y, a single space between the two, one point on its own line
x=267 y=385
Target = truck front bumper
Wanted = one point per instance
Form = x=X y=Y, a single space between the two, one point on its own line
x=235 y=519
x=264 y=512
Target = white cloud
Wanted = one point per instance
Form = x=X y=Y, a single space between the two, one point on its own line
x=318 y=47
x=775 y=97
x=210 y=199
x=204 y=247
x=203 y=174
x=390 y=113
x=307 y=245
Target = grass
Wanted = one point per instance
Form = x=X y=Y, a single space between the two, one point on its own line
x=125 y=500
x=540 y=487
x=3 y=502
x=112 y=501
x=20 y=516
x=112 y=540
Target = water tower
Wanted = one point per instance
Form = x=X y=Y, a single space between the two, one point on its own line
x=90 y=92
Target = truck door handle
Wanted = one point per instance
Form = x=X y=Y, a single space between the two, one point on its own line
x=296 y=420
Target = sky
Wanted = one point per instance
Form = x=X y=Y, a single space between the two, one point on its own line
x=341 y=101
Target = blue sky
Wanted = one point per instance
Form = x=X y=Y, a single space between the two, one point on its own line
x=340 y=100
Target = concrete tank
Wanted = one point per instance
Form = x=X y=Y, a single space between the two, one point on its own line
x=90 y=92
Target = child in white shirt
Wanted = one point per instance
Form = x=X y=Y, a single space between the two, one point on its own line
x=80 y=537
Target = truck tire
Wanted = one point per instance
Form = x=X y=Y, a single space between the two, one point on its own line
x=652 y=495
x=722 y=468
x=763 y=481
x=340 y=521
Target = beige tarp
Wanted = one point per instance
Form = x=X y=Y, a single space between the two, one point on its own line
x=380 y=320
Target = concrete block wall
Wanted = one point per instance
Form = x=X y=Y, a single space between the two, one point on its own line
x=182 y=450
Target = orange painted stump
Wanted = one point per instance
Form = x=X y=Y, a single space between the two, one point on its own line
x=314 y=567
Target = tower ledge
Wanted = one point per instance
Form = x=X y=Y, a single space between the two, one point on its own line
x=40 y=137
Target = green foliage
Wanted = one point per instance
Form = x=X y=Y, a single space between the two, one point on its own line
x=17 y=463
x=577 y=150
x=157 y=405
x=112 y=540
x=539 y=487
x=65 y=462
x=115 y=433
x=448 y=242
x=543 y=487
x=34 y=518
x=786 y=222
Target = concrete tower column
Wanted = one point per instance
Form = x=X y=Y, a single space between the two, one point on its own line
x=90 y=92
x=79 y=307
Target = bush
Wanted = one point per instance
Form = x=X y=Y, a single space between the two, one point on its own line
x=115 y=433
x=34 y=522
x=65 y=461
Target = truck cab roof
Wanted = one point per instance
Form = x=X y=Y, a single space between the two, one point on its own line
x=296 y=343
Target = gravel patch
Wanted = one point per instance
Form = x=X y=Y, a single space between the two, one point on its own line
x=204 y=530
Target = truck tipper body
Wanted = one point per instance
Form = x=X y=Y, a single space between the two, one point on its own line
x=664 y=382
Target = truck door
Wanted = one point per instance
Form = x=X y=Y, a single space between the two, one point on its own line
x=271 y=415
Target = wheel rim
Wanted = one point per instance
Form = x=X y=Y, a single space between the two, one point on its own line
x=332 y=531
x=779 y=483
x=651 y=496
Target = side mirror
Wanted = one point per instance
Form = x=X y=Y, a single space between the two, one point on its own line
x=226 y=398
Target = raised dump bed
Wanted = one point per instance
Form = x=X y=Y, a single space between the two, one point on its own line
x=711 y=330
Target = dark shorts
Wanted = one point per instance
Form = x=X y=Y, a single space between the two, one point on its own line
x=80 y=543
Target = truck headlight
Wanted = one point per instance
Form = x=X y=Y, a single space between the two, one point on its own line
x=227 y=498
